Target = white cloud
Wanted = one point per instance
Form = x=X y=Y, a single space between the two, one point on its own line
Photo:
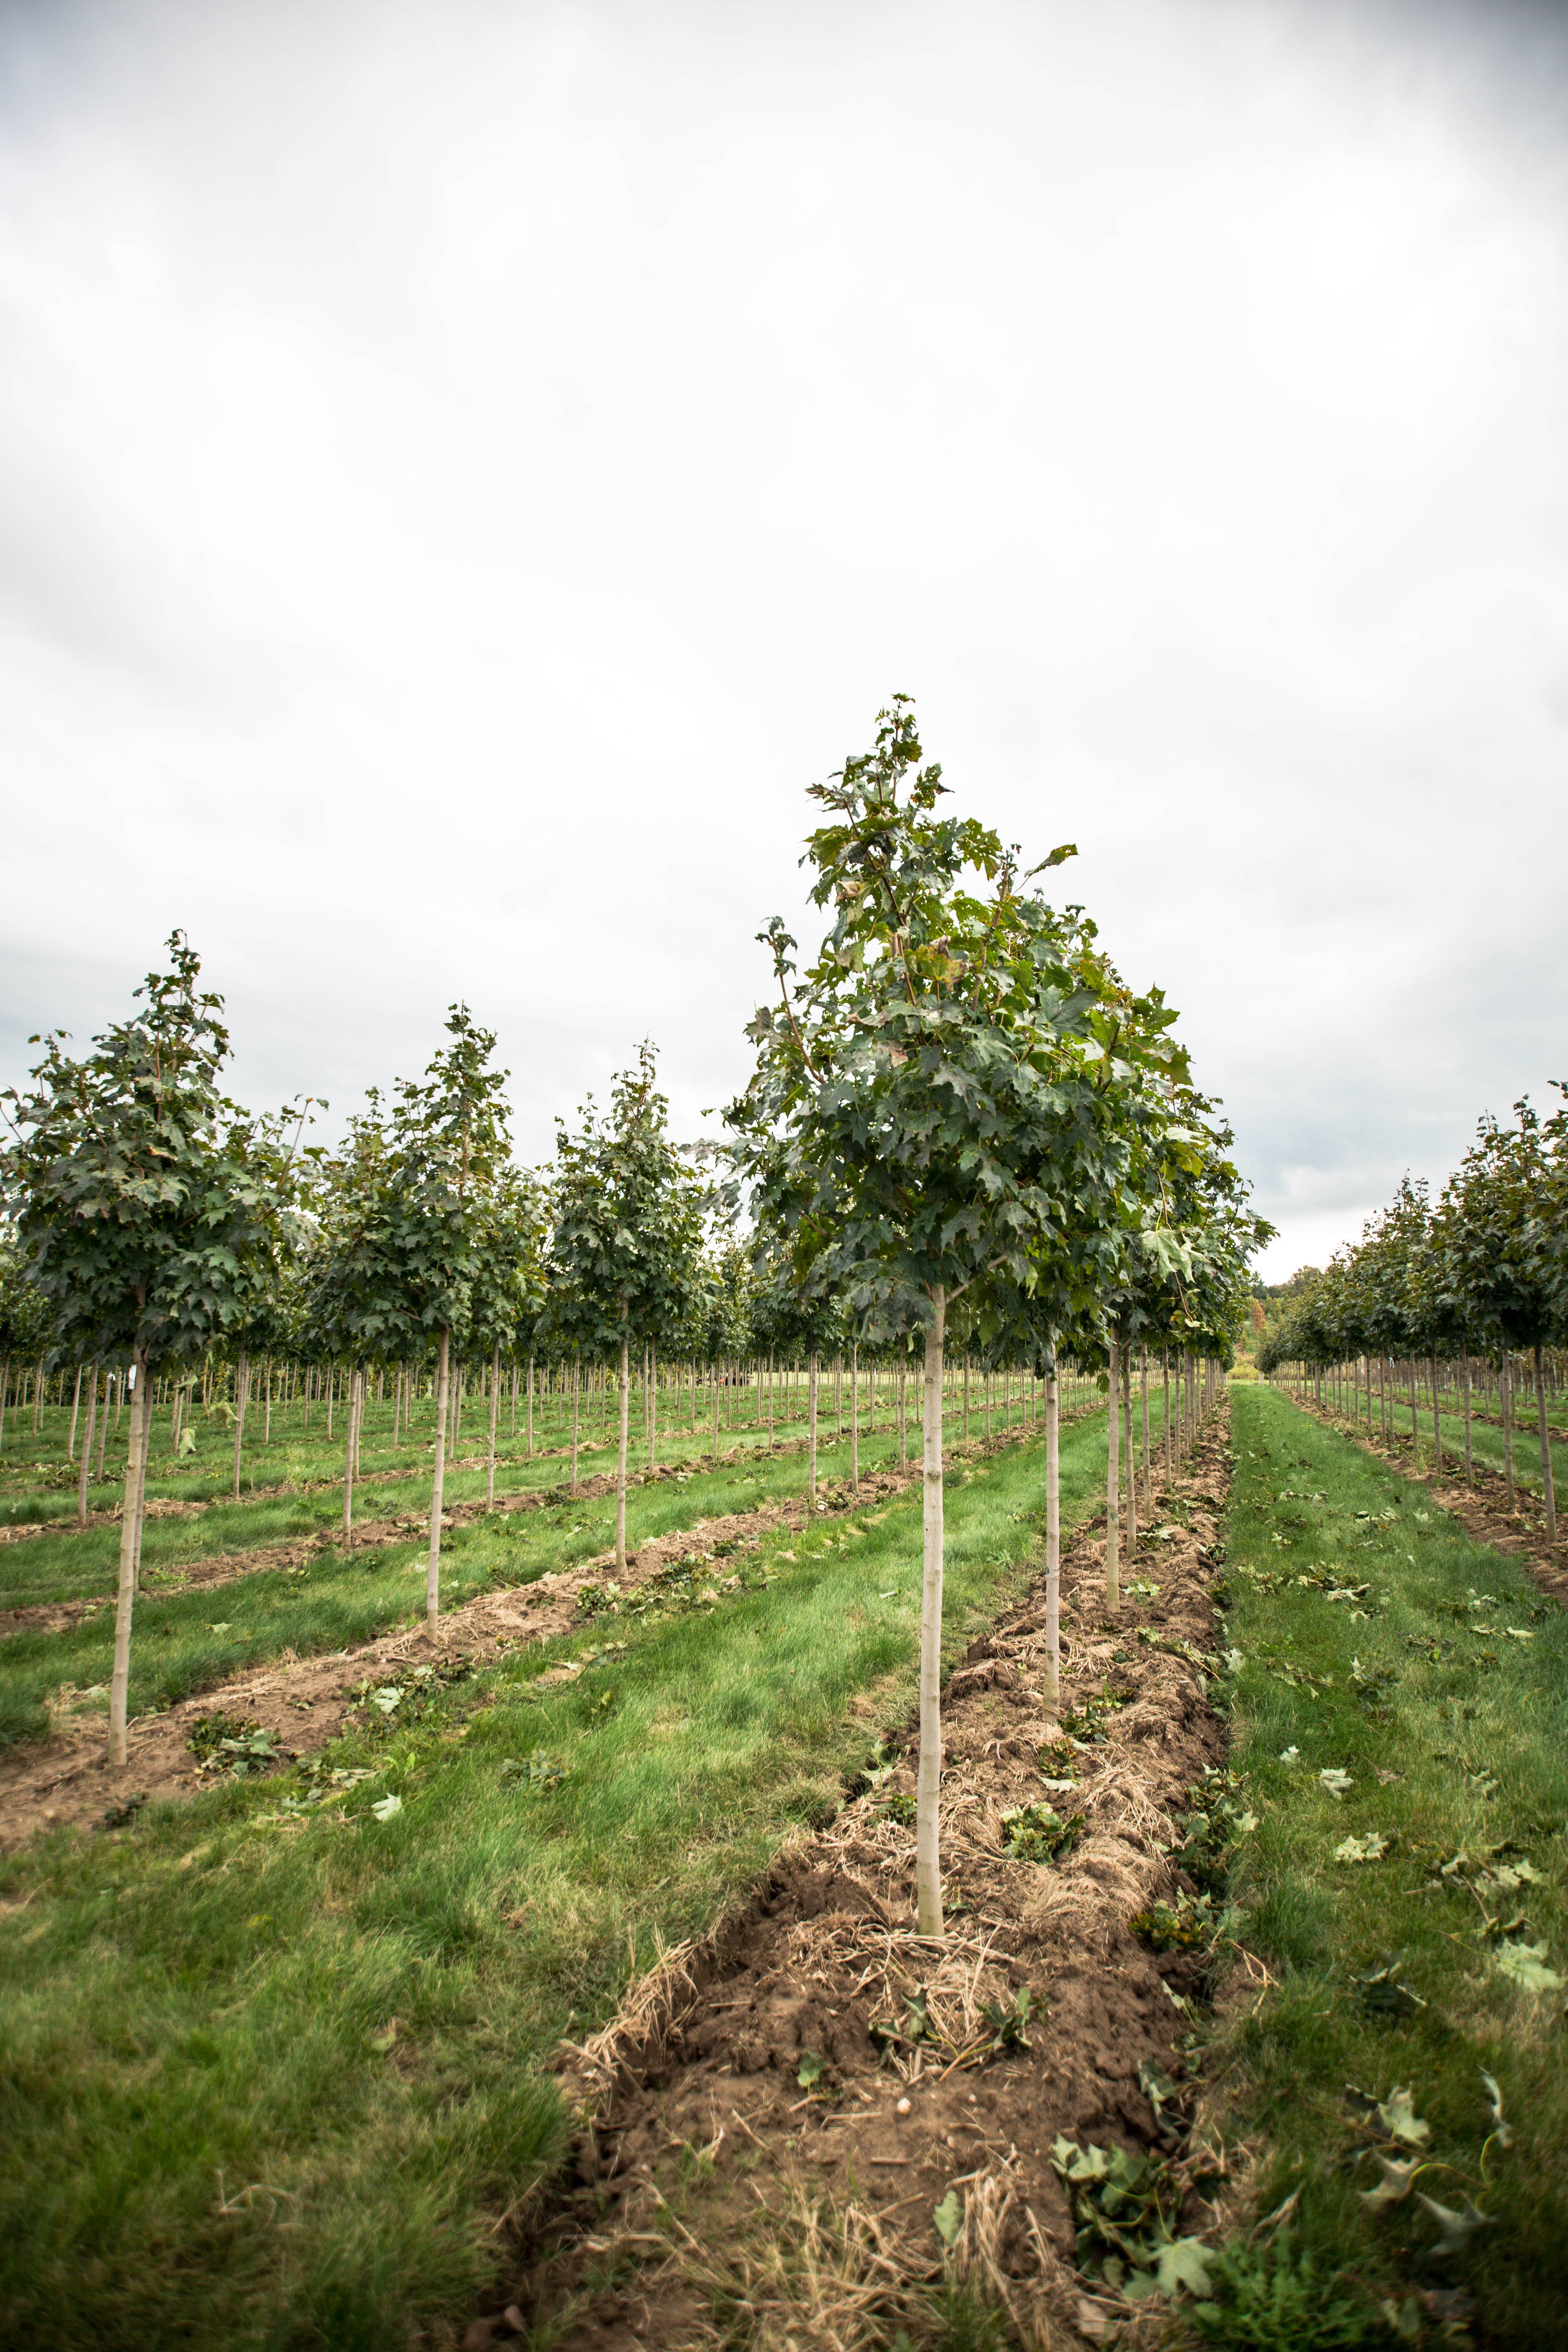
x=464 y=470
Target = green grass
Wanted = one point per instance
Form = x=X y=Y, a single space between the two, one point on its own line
x=184 y=1642
x=207 y=1996
x=1476 y=1731
x=1487 y=1441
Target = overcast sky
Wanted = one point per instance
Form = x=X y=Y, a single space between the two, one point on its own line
x=466 y=469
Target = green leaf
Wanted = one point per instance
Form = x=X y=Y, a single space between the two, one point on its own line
x=809 y=2071
x=948 y=2218
x=386 y=1808
x=1525 y=1965
x=1371 y=1848
x=1184 y=2261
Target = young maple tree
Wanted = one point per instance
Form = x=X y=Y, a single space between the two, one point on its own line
x=417 y=1198
x=933 y=1099
x=624 y=1254
x=146 y=1204
x=1502 y=1247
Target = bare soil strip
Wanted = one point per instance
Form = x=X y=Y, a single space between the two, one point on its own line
x=304 y=1702
x=705 y=2161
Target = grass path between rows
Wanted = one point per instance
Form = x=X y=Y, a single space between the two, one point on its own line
x=271 y=2065
x=1487 y=1444
x=1440 y=1694
x=188 y=1642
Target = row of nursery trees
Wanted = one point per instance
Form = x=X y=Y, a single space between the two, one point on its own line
x=1441 y=1299
x=961 y=1128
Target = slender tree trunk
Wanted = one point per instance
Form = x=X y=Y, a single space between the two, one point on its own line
x=1505 y=1401
x=241 y=1397
x=1546 y=1449
x=928 y=1857
x=141 y=1487
x=1113 y=1488
x=1131 y=1464
x=903 y=1421
x=495 y=1402
x=714 y=1374
x=1053 y=1542
x=1465 y=1376
x=1148 y=1477
x=512 y=1431
x=652 y=1364
x=621 y=1459
x=530 y=1408
x=1437 y=1423
x=76 y=1407
x=811 y=1429
x=576 y=1397
x=87 y=1451
x=433 y=1573
x=854 y=1417
x=103 y=1428
x=126 y=1599
x=351 y=1463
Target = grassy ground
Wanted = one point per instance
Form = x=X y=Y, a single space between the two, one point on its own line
x=38 y=1479
x=188 y=1642
x=270 y=2063
x=1441 y=1694
x=1486 y=1440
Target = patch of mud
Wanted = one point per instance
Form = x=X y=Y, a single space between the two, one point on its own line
x=715 y=2160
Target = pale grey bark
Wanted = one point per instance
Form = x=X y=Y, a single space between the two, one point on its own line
x=1053 y=1543
x=1113 y=1488
x=350 y=1462
x=1547 y=1488
x=854 y=1417
x=76 y=1408
x=1131 y=1461
x=576 y=1395
x=87 y=1451
x=810 y=1438
x=928 y=1856
x=126 y=1599
x=241 y=1397
x=621 y=1457
x=439 y=1479
x=1469 y=1471
x=495 y=1404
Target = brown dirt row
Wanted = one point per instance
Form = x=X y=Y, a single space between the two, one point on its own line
x=305 y=1702
x=369 y=1535
x=169 y=1508
x=165 y=1507
x=68 y=1780
x=704 y=2166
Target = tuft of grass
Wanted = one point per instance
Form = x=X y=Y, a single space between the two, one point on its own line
x=1426 y=1676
